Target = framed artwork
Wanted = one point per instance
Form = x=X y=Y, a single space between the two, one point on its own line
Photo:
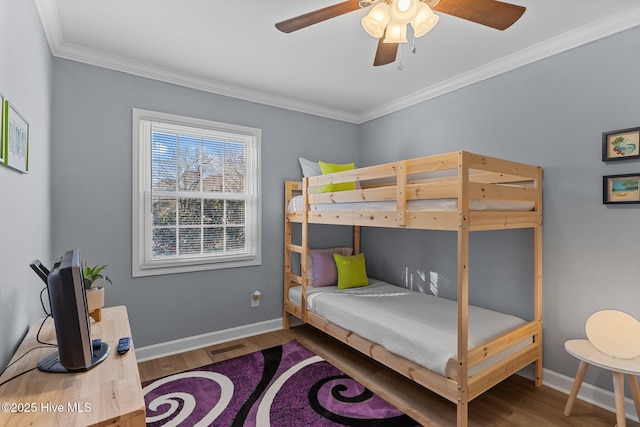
x=621 y=144
x=3 y=148
x=17 y=139
x=621 y=189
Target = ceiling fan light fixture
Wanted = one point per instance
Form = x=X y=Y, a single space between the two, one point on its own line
x=396 y=33
x=404 y=11
x=377 y=19
x=424 y=21
x=490 y=13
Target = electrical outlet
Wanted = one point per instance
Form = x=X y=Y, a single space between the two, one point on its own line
x=255 y=299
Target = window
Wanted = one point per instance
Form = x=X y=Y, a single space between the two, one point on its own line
x=196 y=193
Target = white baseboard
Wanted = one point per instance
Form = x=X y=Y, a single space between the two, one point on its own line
x=589 y=393
x=168 y=348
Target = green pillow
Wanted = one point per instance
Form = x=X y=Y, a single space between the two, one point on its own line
x=352 y=272
x=327 y=168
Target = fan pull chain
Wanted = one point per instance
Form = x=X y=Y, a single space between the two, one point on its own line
x=413 y=50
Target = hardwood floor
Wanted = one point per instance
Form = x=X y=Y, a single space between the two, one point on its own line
x=514 y=402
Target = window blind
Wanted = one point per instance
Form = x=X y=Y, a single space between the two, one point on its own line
x=199 y=200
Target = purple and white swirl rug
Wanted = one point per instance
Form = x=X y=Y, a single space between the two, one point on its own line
x=283 y=386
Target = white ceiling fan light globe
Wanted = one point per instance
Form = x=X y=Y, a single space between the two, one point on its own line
x=404 y=11
x=424 y=21
x=396 y=33
x=403 y=5
x=376 y=20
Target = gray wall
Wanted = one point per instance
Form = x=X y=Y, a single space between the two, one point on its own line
x=551 y=113
x=25 y=80
x=91 y=197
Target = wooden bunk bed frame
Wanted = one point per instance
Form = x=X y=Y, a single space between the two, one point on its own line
x=474 y=177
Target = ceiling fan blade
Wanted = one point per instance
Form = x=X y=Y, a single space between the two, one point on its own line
x=492 y=13
x=302 y=21
x=386 y=53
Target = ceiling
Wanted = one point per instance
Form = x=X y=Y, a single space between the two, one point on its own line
x=233 y=48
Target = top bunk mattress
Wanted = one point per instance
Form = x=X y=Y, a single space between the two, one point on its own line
x=296 y=204
x=419 y=327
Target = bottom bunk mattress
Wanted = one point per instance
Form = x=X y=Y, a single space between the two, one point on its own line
x=419 y=327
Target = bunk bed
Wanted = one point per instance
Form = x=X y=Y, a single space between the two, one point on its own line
x=460 y=192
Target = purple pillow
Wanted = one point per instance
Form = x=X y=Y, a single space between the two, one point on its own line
x=339 y=250
x=325 y=272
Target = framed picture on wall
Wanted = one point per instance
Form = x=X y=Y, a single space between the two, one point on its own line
x=620 y=189
x=621 y=144
x=17 y=139
x=3 y=148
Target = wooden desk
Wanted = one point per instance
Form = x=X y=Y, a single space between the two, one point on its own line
x=584 y=351
x=108 y=394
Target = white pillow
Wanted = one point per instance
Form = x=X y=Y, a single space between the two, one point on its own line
x=309 y=168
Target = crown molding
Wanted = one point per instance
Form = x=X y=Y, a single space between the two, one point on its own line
x=50 y=21
x=613 y=24
x=167 y=75
x=48 y=14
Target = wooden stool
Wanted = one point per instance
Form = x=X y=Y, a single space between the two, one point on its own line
x=614 y=345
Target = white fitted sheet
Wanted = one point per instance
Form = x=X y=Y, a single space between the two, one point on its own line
x=419 y=327
x=296 y=205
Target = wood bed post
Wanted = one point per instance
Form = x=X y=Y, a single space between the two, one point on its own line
x=401 y=192
x=537 y=241
x=537 y=263
x=463 y=290
x=305 y=246
x=356 y=239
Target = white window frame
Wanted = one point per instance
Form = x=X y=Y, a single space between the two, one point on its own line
x=143 y=263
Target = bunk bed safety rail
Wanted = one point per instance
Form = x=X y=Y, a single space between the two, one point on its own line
x=432 y=177
x=411 y=187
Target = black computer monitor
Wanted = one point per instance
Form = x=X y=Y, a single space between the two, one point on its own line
x=71 y=319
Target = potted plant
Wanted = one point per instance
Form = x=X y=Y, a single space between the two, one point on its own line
x=94 y=280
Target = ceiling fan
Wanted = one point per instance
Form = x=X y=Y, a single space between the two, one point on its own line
x=388 y=19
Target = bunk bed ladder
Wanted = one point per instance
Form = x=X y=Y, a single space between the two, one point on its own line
x=290 y=279
x=287 y=253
